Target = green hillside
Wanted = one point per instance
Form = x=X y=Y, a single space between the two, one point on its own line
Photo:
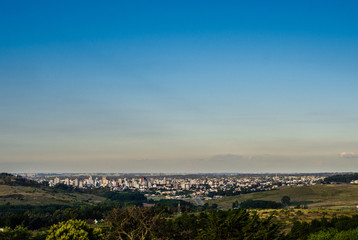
x=317 y=196
x=16 y=190
x=43 y=196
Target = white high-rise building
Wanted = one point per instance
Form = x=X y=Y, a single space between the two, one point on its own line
x=56 y=181
x=75 y=183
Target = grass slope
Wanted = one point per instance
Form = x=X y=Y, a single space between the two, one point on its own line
x=317 y=196
x=43 y=196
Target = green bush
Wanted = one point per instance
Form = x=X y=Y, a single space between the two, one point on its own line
x=333 y=234
x=19 y=233
x=73 y=230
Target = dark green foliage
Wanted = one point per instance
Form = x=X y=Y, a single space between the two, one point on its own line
x=31 y=216
x=124 y=196
x=132 y=223
x=11 y=180
x=227 y=192
x=145 y=223
x=232 y=224
x=235 y=204
x=35 y=217
x=301 y=230
x=169 y=206
x=260 y=204
x=135 y=223
x=183 y=227
x=344 y=178
x=64 y=187
x=73 y=230
x=19 y=233
x=333 y=234
x=285 y=200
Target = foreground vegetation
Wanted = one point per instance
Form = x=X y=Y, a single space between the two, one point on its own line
x=154 y=223
x=144 y=223
x=101 y=214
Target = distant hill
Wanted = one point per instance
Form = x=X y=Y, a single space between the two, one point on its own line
x=16 y=190
x=343 y=178
x=317 y=196
x=11 y=180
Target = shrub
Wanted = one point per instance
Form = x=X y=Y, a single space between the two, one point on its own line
x=73 y=230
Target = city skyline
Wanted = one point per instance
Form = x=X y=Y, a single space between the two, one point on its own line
x=178 y=86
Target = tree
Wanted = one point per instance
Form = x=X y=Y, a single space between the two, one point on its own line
x=286 y=200
x=236 y=224
x=235 y=204
x=133 y=223
x=19 y=233
x=73 y=230
x=183 y=227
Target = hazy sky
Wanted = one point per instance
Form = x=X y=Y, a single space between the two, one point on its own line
x=178 y=86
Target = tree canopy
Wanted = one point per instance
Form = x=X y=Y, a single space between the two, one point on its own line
x=73 y=230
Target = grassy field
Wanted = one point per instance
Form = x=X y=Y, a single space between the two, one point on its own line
x=318 y=196
x=288 y=216
x=321 y=200
x=37 y=196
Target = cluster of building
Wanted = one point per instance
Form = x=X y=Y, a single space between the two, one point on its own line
x=184 y=186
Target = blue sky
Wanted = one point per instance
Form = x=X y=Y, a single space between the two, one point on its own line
x=165 y=86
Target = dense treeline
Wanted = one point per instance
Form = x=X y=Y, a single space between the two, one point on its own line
x=333 y=234
x=163 y=222
x=306 y=230
x=36 y=217
x=344 y=178
x=147 y=223
x=124 y=196
x=232 y=224
x=144 y=223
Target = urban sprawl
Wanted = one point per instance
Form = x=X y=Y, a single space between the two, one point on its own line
x=182 y=186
